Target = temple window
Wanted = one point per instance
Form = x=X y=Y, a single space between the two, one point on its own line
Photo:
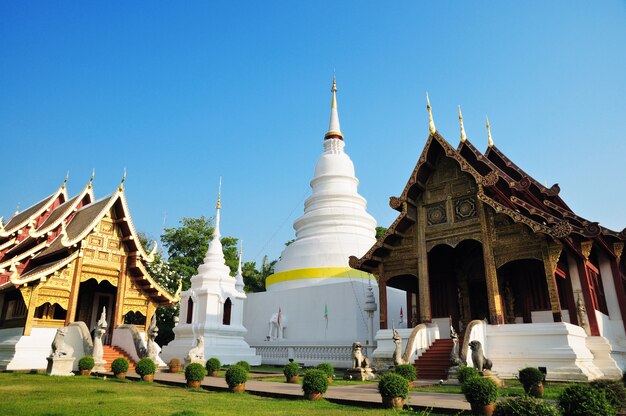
x=134 y=318
x=15 y=307
x=227 y=309
x=50 y=311
x=189 y=310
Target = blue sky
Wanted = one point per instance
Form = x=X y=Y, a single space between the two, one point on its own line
x=180 y=93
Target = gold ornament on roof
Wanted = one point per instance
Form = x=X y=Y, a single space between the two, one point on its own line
x=93 y=175
x=123 y=180
x=431 y=123
x=463 y=135
x=489 y=138
x=219 y=195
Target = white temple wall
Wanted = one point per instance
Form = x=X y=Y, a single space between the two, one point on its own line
x=19 y=352
x=606 y=273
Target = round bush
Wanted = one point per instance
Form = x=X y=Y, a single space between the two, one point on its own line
x=529 y=376
x=525 y=406
x=407 y=371
x=327 y=368
x=213 y=364
x=480 y=391
x=195 y=372
x=583 y=400
x=315 y=381
x=292 y=369
x=119 y=365
x=244 y=364
x=613 y=390
x=236 y=375
x=86 y=363
x=393 y=385
x=145 y=366
x=465 y=373
x=174 y=362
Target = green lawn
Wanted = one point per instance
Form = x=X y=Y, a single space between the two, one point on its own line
x=39 y=395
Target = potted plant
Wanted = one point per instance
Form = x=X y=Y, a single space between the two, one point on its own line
x=119 y=366
x=481 y=393
x=194 y=374
x=532 y=380
x=393 y=389
x=85 y=365
x=146 y=369
x=236 y=377
x=465 y=373
x=407 y=371
x=174 y=365
x=291 y=372
x=314 y=384
x=212 y=366
x=328 y=369
x=524 y=406
x=582 y=399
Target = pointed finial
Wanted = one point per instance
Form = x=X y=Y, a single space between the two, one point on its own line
x=431 y=123
x=1 y=224
x=334 y=130
x=219 y=195
x=463 y=135
x=489 y=138
x=67 y=176
x=93 y=175
x=240 y=253
x=123 y=180
x=17 y=208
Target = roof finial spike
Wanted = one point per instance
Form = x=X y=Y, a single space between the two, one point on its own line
x=219 y=195
x=121 y=188
x=463 y=135
x=489 y=138
x=17 y=209
x=431 y=123
x=93 y=175
x=1 y=225
x=67 y=176
x=240 y=255
x=218 y=206
x=334 y=130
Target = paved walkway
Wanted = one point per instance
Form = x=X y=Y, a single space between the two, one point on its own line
x=363 y=395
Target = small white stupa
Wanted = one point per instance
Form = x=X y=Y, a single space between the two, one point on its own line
x=212 y=310
x=314 y=297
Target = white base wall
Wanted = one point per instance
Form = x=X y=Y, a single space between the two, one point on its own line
x=19 y=352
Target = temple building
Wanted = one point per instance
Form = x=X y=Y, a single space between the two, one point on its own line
x=314 y=299
x=479 y=243
x=65 y=260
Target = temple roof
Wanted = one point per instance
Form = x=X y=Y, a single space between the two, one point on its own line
x=503 y=186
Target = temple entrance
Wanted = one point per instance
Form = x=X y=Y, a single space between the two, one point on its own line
x=92 y=297
x=524 y=292
x=458 y=289
x=409 y=284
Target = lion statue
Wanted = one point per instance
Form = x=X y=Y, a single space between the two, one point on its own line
x=478 y=357
x=59 y=347
x=196 y=354
x=358 y=359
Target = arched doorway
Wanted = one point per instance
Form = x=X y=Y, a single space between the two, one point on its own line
x=92 y=298
x=227 y=310
x=410 y=285
x=524 y=291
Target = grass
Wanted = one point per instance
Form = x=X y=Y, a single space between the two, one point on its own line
x=36 y=394
x=552 y=390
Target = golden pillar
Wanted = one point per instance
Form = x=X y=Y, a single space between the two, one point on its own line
x=551 y=251
x=422 y=268
x=74 y=288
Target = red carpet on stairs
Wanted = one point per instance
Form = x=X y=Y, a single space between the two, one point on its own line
x=111 y=353
x=434 y=363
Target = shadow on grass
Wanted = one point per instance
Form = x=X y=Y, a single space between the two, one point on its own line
x=186 y=413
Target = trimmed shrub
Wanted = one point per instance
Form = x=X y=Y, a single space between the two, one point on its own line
x=315 y=381
x=119 y=365
x=145 y=366
x=525 y=406
x=195 y=372
x=244 y=364
x=327 y=368
x=393 y=385
x=480 y=391
x=174 y=363
x=213 y=364
x=407 y=371
x=613 y=390
x=236 y=375
x=86 y=363
x=292 y=369
x=529 y=376
x=465 y=373
x=583 y=400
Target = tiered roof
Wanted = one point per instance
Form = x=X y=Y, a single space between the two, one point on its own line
x=46 y=237
x=503 y=186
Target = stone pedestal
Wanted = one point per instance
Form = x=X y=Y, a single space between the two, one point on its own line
x=361 y=374
x=453 y=376
x=99 y=367
x=60 y=366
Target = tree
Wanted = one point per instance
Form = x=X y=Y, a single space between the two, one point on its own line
x=380 y=231
x=254 y=279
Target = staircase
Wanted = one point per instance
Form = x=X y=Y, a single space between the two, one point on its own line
x=111 y=353
x=434 y=363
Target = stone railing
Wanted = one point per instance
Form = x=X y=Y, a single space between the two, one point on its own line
x=309 y=355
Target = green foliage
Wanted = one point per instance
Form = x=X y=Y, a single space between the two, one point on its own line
x=465 y=373
x=244 y=364
x=480 y=390
x=529 y=376
x=253 y=279
x=292 y=369
x=213 y=364
x=407 y=371
x=584 y=400
x=380 y=231
x=119 y=365
x=86 y=363
x=236 y=375
x=525 y=406
x=315 y=381
x=145 y=366
x=326 y=368
x=613 y=390
x=195 y=372
x=393 y=385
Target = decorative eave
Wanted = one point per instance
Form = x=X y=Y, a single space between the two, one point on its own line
x=21 y=256
x=7 y=243
x=40 y=273
x=154 y=290
x=19 y=220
